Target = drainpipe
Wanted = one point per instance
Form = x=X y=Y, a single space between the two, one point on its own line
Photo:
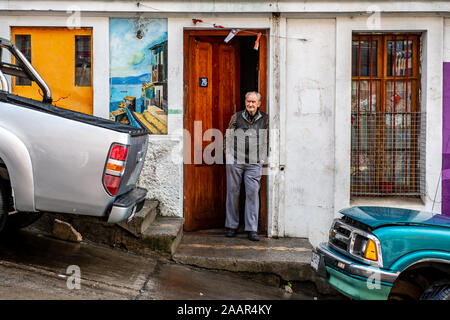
x=275 y=175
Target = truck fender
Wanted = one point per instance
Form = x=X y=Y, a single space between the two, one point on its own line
x=415 y=257
x=17 y=159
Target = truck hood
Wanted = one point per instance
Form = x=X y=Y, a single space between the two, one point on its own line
x=381 y=216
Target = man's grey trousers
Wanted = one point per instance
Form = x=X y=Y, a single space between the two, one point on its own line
x=252 y=177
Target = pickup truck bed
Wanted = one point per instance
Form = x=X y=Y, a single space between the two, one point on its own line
x=69 y=114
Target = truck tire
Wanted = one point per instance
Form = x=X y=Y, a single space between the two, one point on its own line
x=4 y=205
x=437 y=291
x=21 y=220
x=14 y=222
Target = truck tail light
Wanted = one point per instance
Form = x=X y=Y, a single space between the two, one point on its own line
x=118 y=152
x=112 y=184
x=115 y=167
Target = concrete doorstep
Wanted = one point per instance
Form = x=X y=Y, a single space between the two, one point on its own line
x=273 y=261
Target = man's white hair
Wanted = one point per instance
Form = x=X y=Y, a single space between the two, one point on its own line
x=258 y=95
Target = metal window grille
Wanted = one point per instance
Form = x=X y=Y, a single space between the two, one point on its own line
x=387 y=138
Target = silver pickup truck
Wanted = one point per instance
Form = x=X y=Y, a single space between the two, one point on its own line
x=57 y=160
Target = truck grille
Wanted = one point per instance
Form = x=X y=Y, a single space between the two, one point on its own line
x=340 y=234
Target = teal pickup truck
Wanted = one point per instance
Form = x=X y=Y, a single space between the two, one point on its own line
x=378 y=253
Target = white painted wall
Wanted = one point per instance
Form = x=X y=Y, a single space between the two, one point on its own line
x=310 y=109
x=162 y=174
x=446 y=40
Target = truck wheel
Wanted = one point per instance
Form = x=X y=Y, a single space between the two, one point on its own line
x=437 y=291
x=4 y=205
x=10 y=223
x=21 y=220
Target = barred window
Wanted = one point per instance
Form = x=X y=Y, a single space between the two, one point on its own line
x=387 y=137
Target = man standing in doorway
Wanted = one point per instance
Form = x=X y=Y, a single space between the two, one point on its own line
x=246 y=151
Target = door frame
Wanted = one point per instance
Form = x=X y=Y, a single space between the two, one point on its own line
x=263 y=71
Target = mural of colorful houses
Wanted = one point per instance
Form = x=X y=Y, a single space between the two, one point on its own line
x=138 y=80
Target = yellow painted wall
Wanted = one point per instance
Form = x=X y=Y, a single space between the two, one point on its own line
x=53 y=56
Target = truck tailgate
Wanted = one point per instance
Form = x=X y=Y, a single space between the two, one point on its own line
x=135 y=161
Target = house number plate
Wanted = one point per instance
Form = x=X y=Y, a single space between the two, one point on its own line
x=203 y=82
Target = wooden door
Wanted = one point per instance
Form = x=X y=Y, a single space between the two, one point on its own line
x=210 y=106
x=63 y=57
x=207 y=56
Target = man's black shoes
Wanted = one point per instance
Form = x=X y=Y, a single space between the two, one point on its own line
x=231 y=233
x=253 y=236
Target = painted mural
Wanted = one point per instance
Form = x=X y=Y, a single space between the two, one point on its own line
x=138 y=73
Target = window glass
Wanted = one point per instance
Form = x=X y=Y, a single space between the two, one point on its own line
x=397 y=63
x=396 y=96
x=23 y=43
x=367 y=96
x=83 y=61
x=363 y=49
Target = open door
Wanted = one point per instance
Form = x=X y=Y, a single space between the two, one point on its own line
x=212 y=77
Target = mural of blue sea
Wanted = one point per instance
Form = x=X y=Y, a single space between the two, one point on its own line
x=132 y=80
x=119 y=91
x=132 y=60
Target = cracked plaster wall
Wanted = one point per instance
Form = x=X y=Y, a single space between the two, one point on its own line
x=309 y=173
x=162 y=175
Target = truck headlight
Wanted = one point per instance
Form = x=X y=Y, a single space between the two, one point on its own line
x=361 y=244
x=366 y=246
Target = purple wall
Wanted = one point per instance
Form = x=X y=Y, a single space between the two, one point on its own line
x=446 y=141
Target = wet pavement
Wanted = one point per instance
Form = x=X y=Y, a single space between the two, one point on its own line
x=35 y=266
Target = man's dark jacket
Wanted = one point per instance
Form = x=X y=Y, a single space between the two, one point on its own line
x=247 y=137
